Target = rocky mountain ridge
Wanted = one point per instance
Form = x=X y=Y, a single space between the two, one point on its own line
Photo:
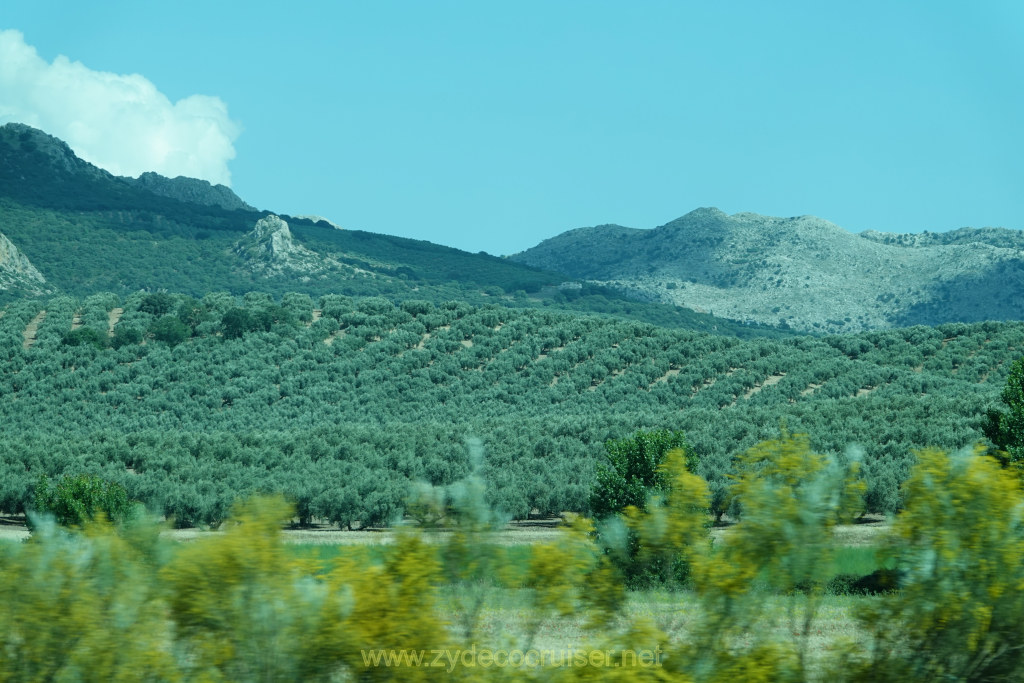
x=36 y=160
x=801 y=272
x=191 y=190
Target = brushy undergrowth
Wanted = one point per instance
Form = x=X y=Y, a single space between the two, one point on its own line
x=121 y=603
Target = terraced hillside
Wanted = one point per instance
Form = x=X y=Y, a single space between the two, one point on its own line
x=345 y=412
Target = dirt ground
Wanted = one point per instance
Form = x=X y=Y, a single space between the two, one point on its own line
x=520 y=532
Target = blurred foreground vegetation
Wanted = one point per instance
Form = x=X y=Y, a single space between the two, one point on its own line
x=121 y=603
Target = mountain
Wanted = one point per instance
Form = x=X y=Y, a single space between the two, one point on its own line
x=88 y=231
x=802 y=272
x=35 y=164
x=39 y=170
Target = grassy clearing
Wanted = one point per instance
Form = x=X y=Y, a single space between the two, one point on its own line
x=509 y=621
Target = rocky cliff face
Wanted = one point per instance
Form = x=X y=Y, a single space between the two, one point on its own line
x=16 y=271
x=270 y=250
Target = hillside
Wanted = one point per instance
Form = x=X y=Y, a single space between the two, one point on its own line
x=87 y=231
x=343 y=403
x=803 y=272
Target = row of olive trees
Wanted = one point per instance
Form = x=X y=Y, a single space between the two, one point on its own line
x=543 y=391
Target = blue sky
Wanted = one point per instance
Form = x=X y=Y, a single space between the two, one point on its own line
x=492 y=126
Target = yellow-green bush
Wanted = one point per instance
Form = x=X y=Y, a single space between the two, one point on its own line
x=101 y=605
x=960 y=544
x=82 y=606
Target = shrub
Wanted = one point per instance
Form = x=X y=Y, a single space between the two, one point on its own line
x=959 y=543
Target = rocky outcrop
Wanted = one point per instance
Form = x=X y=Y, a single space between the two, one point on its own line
x=16 y=271
x=270 y=249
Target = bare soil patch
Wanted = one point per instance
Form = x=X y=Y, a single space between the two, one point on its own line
x=32 y=329
x=112 y=319
x=769 y=381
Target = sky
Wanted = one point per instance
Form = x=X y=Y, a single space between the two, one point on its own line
x=491 y=126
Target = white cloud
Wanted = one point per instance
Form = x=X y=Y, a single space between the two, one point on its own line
x=121 y=123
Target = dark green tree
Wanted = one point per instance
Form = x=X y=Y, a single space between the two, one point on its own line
x=630 y=473
x=633 y=476
x=192 y=312
x=78 y=499
x=125 y=334
x=236 y=322
x=157 y=304
x=1005 y=429
x=85 y=335
x=170 y=329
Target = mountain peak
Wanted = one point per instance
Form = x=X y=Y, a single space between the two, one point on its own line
x=46 y=149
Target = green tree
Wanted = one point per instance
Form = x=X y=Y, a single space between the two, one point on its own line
x=192 y=312
x=125 y=334
x=73 y=501
x=236 y=322
x=157 y=304
x=83 y=336
x=170 y=329
x=634 y=479
x=632 y=471
x=1006 y=429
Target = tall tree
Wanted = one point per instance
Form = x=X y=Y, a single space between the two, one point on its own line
x=1006 y=428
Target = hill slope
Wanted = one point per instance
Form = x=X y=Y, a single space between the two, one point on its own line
x=805 y=272
x=88 y=231
x=365 y=397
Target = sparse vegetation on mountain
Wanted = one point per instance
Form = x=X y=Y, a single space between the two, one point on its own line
x=803 y=273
